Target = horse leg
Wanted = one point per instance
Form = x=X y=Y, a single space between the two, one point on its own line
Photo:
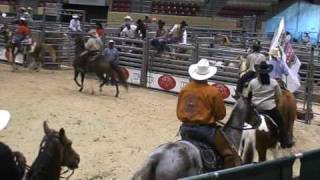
x=76 y=73
x=262 y=153
x=82 y=79
x=117 y=88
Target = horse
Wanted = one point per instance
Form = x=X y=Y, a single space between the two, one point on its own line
x=181 y=159
x=264 y=137
x=99 y=65
x=13 y=164
x=55 y=152
x=36 y=50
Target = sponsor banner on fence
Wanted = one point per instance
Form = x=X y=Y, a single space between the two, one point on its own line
x=132 y=75
x=172 y=83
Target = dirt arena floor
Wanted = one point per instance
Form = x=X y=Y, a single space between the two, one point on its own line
x=113 y=136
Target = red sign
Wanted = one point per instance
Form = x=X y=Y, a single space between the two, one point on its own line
x=125 y=72
x=223 y=89
x=167 y=82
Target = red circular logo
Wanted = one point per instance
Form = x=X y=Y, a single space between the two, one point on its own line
x=125 y=72
x=223 y=89
x=167 y=82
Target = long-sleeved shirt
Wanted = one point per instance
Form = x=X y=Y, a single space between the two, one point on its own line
x=111 y=54
x=176 y=32
x=278 y=70
x=264 y=96
x=94 y=44
x=200 y=103
x=254 y=59
x=75 y=25
x=129 y=33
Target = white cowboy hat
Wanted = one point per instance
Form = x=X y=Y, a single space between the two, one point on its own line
x=111 y=41
x=202 y=70
x=128 y=17
x=4 y=119
x=75 y=16
x=275 y=52
x=4 y=15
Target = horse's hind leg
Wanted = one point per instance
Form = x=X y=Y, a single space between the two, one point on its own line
x=82 y=79
x=76 y=73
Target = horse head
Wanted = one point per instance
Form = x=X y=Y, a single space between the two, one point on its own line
x=59 y=140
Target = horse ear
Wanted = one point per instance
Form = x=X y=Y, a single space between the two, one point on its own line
x=46 y=128
x=62 y=133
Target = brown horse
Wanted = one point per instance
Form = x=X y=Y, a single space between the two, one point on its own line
x=264 y=137
x=55 y=152
x=97 y=64
x=36 y=50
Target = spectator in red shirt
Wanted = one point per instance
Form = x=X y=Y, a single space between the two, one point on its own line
x=99 y=30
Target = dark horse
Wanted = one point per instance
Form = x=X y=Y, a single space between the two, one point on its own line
x=180 y=159
x=98 y=64
x=55 y=151
x=12 y=164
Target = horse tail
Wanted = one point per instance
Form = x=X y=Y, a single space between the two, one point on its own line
x=248 y=146
x=148 y=169
x=122 y=78
x=51 y=51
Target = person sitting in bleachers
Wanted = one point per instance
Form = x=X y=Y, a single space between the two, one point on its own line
x=178 y=33
x=161 y=37
x=127 y=21
x=129 y=31
x=141 y=31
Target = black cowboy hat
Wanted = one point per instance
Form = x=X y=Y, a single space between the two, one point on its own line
x=263 y=67
x=183 y=23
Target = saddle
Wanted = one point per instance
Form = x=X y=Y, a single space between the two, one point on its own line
x=210 y=159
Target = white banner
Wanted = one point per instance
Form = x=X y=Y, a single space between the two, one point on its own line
x=292 y=80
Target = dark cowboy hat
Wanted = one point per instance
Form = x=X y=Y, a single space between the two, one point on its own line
x=263 y=67
x=183 y=23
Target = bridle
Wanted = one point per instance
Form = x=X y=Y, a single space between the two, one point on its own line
x=42 y=148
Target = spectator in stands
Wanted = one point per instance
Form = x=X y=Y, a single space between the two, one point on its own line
x=252 y=59
x=306 y=38
x=112 y=56
x=153 y=26
x=129 y=31
x=288 y=37
x=178 y=33
x=100 y=30
x=127 y=20
x=22 y=32
x=20 y=12
x=159 y=42
x=141 y=31
x=147 y=20
x=28 y=14
x=75 y=25
x=279 y=68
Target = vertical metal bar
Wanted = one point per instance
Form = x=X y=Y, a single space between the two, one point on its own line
x=309 y=88
x=145 y=62
x=196 y=50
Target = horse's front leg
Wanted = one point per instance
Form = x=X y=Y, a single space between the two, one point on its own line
x=76 y=73
x=82 y=79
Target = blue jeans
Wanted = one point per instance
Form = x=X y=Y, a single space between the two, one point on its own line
x=199 y=132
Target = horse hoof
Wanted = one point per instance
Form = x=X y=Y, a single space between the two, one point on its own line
x=80 y=90
x=116 y=95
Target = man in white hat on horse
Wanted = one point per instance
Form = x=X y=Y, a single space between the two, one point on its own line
x=75 y=25
x=200 y=106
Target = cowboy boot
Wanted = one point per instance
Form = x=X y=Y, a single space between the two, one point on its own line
x=226 y=150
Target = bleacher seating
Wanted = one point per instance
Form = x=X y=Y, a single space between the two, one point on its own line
x=180 y=8
x=121 y=5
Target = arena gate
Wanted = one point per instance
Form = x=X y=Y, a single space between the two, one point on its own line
x=280 y=169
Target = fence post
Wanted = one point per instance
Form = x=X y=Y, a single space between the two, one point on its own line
x=145 y=62
x=196 y=50
x=309 y=85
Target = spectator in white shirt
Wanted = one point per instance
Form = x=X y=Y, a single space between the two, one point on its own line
x=75 y=25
